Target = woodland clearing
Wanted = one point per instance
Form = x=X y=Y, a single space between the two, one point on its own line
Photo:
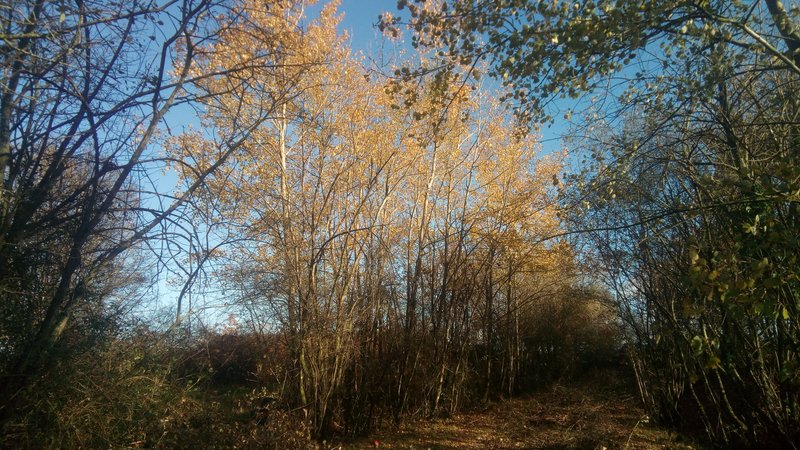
x=588 y=415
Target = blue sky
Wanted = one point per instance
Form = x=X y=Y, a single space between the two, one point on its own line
x=359 y=18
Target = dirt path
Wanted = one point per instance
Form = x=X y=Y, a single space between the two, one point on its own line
x=573 y=417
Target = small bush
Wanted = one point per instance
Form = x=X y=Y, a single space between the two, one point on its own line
x=127 y=395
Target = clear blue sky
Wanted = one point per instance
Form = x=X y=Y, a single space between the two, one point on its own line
x=359 y=18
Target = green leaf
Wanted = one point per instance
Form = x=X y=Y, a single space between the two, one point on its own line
x=697 y=345
x=693 y=255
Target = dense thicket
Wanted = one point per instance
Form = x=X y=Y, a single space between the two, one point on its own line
x=384 y=258
x=396 y=250
x=389 y=246
x=87 y=91
x=689 y=198
x=83 y=93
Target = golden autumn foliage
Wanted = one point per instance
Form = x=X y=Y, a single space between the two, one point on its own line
x=385 y=235
x=382 y=244
x=371 y=232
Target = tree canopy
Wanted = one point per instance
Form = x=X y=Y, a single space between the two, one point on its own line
x=688 y=123
x=388 y=240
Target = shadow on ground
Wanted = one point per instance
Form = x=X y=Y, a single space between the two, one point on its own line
x=566 y=417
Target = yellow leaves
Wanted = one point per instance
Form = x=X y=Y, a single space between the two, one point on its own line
x=323 y=31
x=323 y=149
x=694 y=256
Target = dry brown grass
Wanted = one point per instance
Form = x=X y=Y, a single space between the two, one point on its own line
x=575 y=416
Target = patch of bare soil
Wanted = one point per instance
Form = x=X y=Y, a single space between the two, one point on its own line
x=579 y=417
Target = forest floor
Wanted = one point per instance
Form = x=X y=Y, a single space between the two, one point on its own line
x=577 y=416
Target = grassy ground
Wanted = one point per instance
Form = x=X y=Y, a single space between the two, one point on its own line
x=575 y=416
